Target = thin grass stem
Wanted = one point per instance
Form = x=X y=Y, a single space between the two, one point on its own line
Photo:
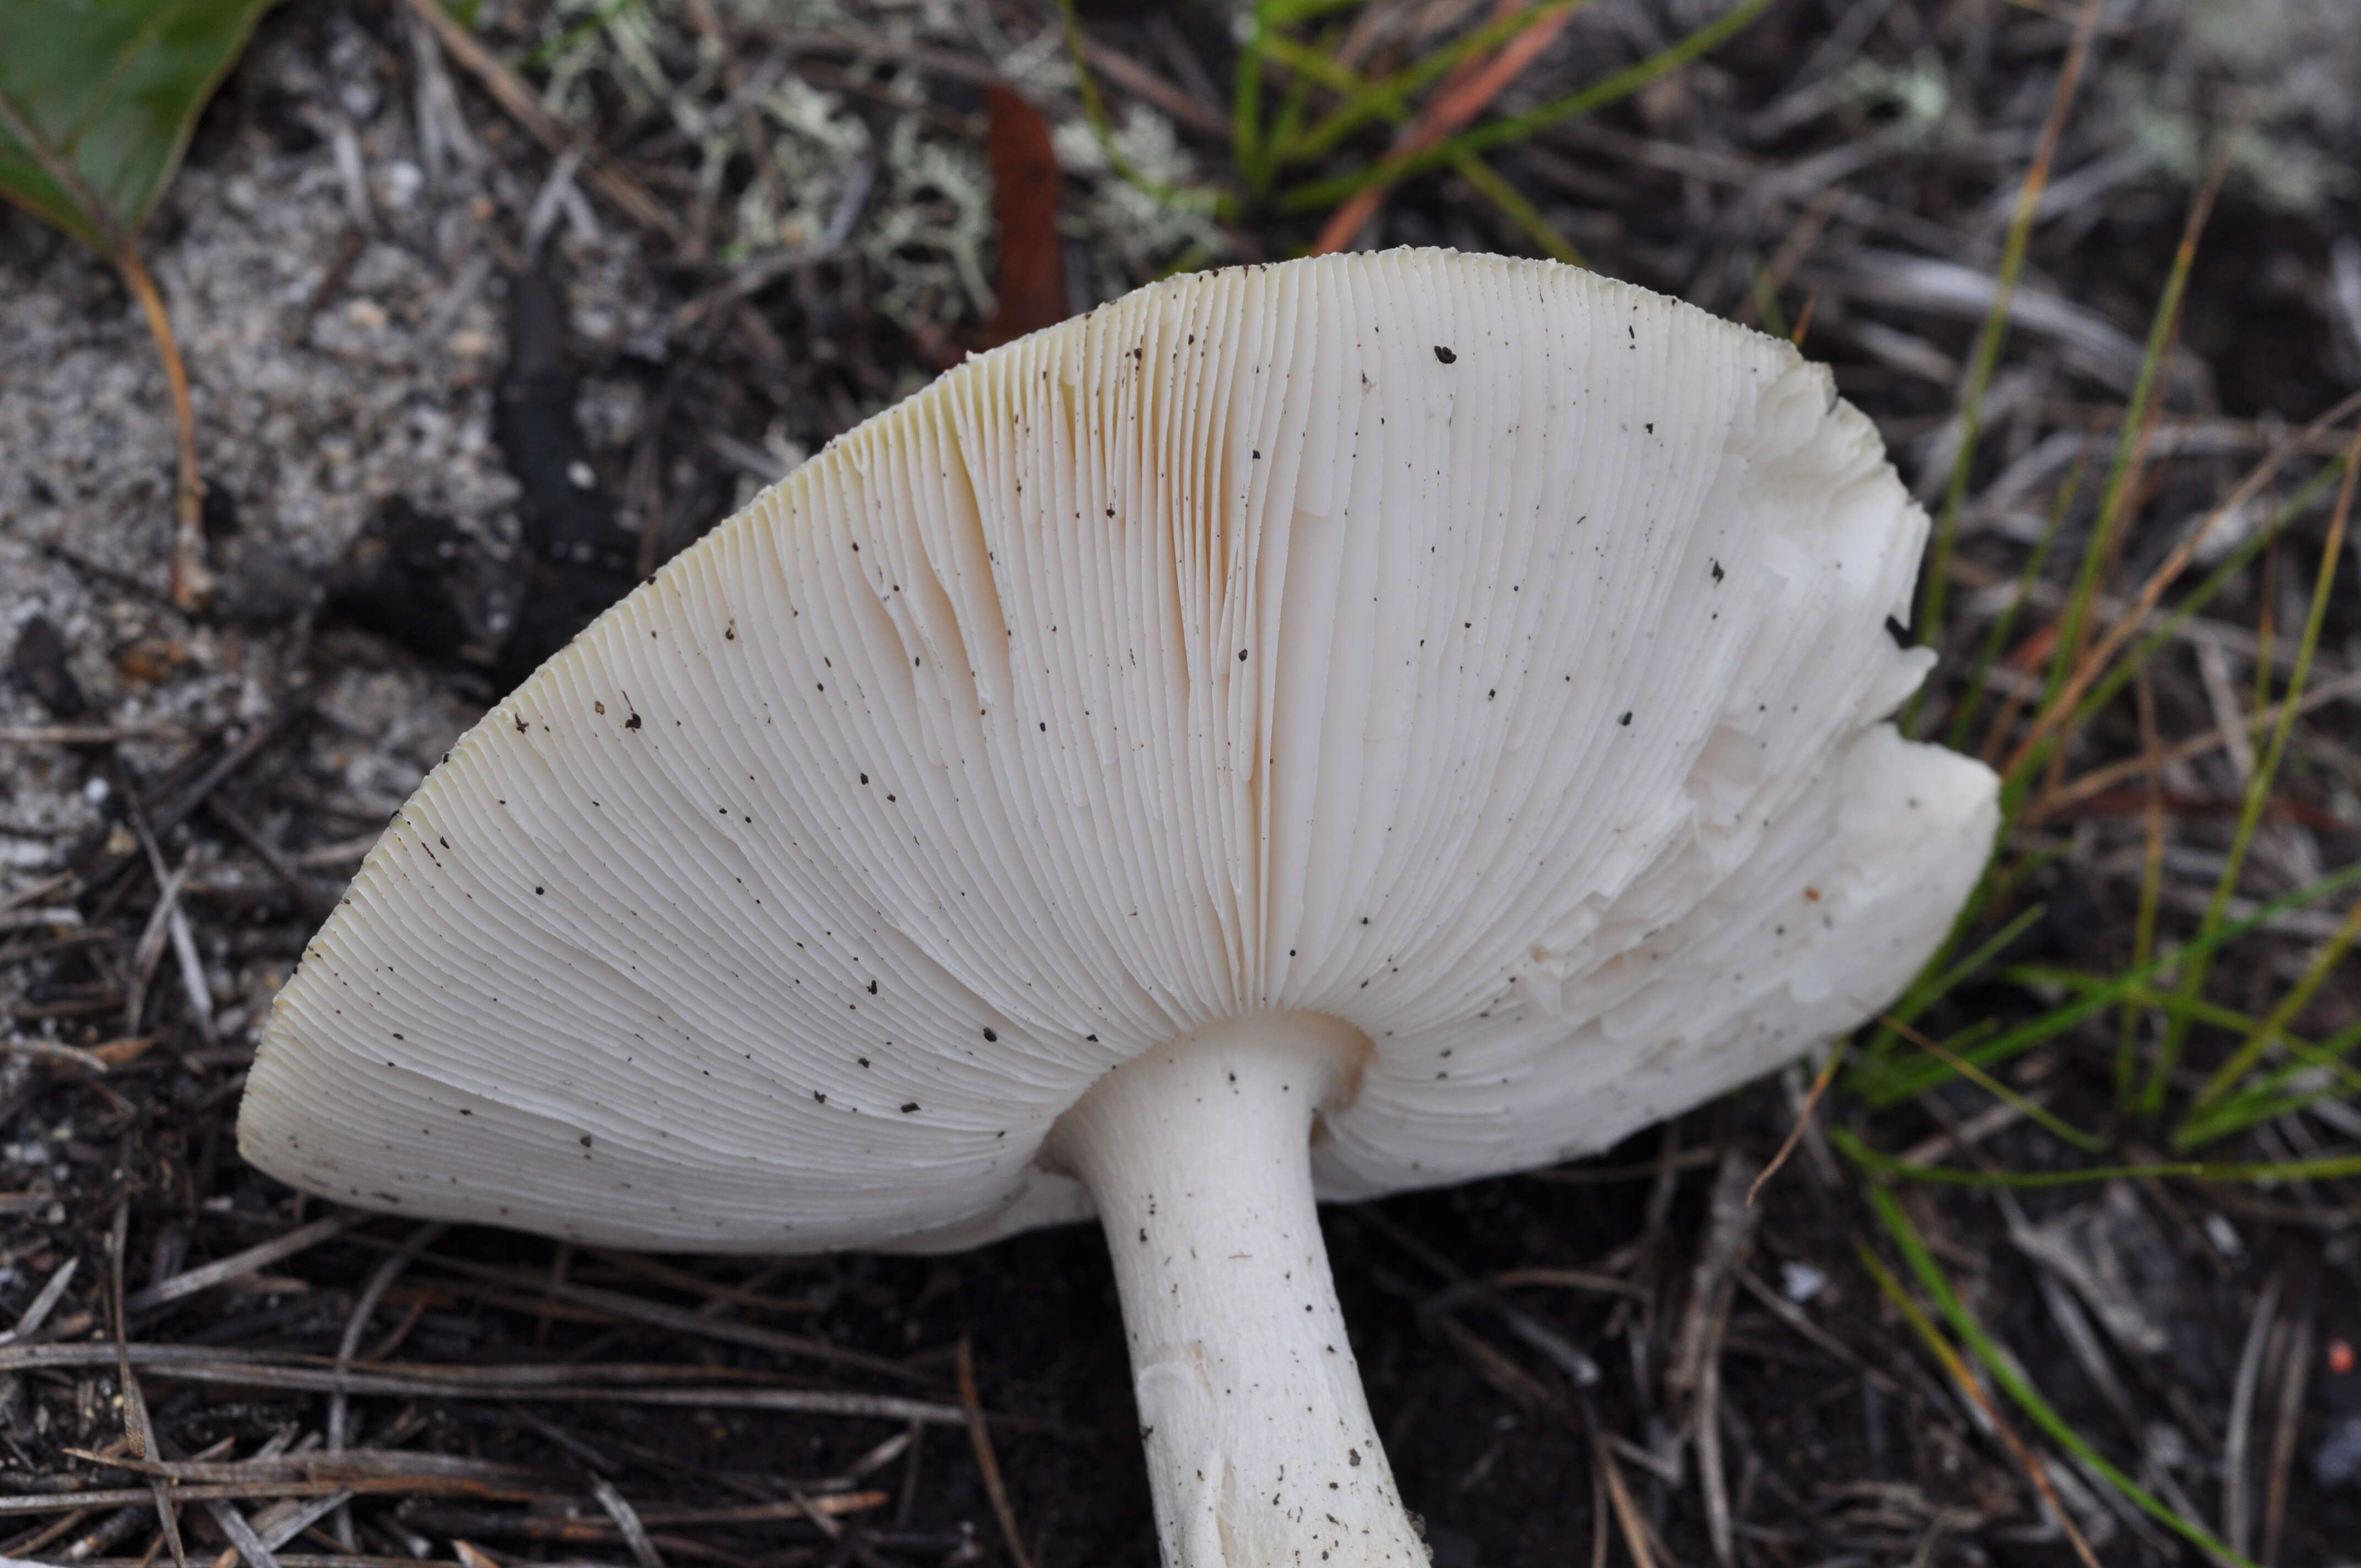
x=1884 y=1085
x=1945 y=1351
x=1934 y=983
x=2065 y=1131
x=1514 y=206
x=2003 y=626
x=1994 y=333
x=2272 y=1027
x=2244 y=1173
x=1220 y=203
x=1245 y=100
x=2151 y=894
x=2130 y=446
x=1388 y=97
x=2266 y=767
x=2002 y=1370
x=1318 y=195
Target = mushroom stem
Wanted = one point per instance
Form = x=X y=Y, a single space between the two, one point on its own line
x=1260 y=1449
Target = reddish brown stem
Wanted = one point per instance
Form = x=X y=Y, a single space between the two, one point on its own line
x=189 y=579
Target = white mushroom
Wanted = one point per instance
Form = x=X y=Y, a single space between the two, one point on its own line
x=1304 y=731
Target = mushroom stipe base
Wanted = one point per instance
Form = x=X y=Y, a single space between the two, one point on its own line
x=1260 y=1448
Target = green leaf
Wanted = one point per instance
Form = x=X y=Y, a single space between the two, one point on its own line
x=97 y=99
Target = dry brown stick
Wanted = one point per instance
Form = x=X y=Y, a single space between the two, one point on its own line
x=944 y=63
x=1568 y=1280
x=1821 y=1082
x=1729 y=1241
x=1141 y=83
x=804 y=1507
x=627 y=1523
x=355 y=1324
x=1638 y=1538
x=1462 y=1287
x=137 y=1440
x=38 y=1311
x=315 y=903
x=231 y=1520
x=88 y=734
x=630 y=1384
x=2094 y=663
x=1613 y=1175
x=171 y=804
x=1787 y=1312
x=985 y=1461
x=1694 y=1375
x=663 y=1273
x=19 y=1551
x=2101 y=779
x=2237 y=1502
x=52 y=1051
x=2294 y=1375
x=1496 y=1367
x=1602 y=1529
x=265 y=1491
x=1464 y=94
x=260 y=1255
x=352 y=1465
x=1713 y=1481
x=678 y=1318
x=1973 y=1389
x=190 y=580
x=287 y=1560
x=2153 y=818
x=556 y=137
x=433 y=1519
x=46 y=888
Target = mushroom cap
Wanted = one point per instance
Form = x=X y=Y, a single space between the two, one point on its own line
x=1481 y=651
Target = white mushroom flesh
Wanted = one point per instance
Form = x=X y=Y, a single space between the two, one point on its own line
x=1484 y=655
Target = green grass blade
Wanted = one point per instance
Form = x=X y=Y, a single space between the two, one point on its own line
x=2004 y=626
x=2151 y=898
x=1897 y=1083
x=1288 y=128
x=1294 y=13
x=1766 y=302
x=2273 y=1027
x=2258 y=787
x=2326 y=1168
x=1933 y=984
x=1220 y=203
x=2131 y=442
x=1313 y=65
x=1245 y=100
x=2041 y=1115
x=1511 y=202
x=2226 y=571
x=1994 y=333
x=563 y=42
x=2002 y=1368
x=1321 y=194
x=1944 y=1351
x=1388 y=97
x=2272 y=1097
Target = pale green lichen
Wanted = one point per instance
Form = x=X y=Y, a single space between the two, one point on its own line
x=922 y=190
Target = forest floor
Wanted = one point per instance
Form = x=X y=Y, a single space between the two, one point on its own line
x=2055 y=1271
